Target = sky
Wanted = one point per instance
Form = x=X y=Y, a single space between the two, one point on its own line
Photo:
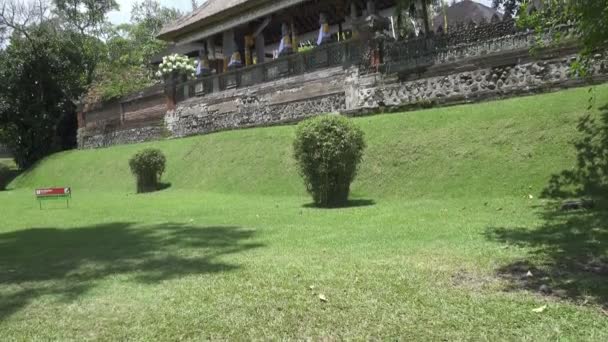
x=123 y=16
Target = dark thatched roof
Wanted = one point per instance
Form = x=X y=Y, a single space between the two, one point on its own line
x=465 y=12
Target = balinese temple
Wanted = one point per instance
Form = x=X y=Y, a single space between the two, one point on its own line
x=229 y=34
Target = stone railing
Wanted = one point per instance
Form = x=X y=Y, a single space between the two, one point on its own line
x=330 y=55
x=421 y=53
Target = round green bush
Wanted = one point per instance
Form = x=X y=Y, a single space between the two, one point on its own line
x=148 y=167
x=5 y=176
x=328 y=150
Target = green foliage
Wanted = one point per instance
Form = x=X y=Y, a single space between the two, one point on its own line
x=42 y=74
x=148 y=167
x=130 y=47
x=589 y=16
x=328 y=150
x=5 y=175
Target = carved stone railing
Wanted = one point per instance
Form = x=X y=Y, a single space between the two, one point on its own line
x=330 y=55
x=418 y=53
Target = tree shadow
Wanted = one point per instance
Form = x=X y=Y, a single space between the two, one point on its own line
x=67 y=263
x=6 y=179
x=350 y=204
x=568 y=254
x=590 y=176
x=163 y=186
x=569 y=251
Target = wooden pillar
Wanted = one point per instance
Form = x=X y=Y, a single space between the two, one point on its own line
x=353 y=19
x=371 y=7
x=260 y=47
x=228 y=45
x=294 y=37
x=249 y=42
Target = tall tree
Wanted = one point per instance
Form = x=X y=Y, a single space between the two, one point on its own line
x=45 y=68
x=589 y=16
x=130 y=48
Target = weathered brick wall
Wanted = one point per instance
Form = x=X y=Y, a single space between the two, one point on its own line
x=133 y=119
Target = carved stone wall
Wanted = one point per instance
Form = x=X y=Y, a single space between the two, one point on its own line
x=100 y=138
x=494 y=78
x=278 y=102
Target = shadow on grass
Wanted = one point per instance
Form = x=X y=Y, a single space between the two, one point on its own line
x=4 y=182
x=163 y=186
x=350 y=204
x=69 y=262
x=569 y=250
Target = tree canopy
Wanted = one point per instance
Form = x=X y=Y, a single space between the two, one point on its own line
x=52 y=53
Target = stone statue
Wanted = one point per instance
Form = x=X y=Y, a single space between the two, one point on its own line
x=203 y=68
x=235 y=60
x=286 y=46
x=324 y=33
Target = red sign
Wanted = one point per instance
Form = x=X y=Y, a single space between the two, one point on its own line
x=53 y=192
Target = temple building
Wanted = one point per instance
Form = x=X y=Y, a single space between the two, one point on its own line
x=227 y=34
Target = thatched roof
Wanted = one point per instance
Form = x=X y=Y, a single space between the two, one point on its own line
x=465 y=12
x=216 y=12
x=207 y=10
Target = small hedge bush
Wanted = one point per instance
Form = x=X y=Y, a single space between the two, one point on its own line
x=5 y=176
x=328 y=150
x=148 y=167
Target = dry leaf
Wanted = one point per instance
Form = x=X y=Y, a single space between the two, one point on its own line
x=541 y=309
x=322 y=298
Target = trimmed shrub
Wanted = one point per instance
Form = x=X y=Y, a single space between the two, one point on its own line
x=5 y=176
x=328 y=150
x=148 y=166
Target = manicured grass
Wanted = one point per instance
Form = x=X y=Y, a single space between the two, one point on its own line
x=445 y=223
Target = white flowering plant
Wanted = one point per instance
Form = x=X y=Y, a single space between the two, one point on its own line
x=177 y=65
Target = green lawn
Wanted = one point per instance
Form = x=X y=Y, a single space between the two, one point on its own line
x=445 y=223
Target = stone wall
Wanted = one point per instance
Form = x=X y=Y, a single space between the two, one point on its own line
x=133 y=119
x=278 y=102
x=111 y=137
x=516 y=73
x=410 y=77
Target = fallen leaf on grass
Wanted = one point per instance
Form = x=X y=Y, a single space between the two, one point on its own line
x=323 y=298
x=541 y=309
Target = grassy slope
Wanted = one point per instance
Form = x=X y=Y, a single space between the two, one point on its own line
x=211 y=258
x=495 y=148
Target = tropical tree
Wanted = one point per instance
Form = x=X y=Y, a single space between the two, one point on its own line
x=590 y=17
x=45 y=68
